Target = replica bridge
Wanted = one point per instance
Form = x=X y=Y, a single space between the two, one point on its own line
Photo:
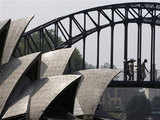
x=112 y=15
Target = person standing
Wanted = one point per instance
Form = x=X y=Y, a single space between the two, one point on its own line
x=130 y=69
x=144 y=69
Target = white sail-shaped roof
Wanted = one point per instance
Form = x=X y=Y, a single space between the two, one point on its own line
x=92 y=88
x=11 y=73
x=54 y=62
x=16 y=29
x=48 y=92
x=19 y=108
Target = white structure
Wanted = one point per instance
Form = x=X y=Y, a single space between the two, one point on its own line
x=48 y=92
x=11 y=74
x=19 y=108
x=92 y=88
x=54 y=62
x=16 y=29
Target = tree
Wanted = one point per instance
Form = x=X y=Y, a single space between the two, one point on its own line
x=138 y=108
x=76 y=61
x=107 y=65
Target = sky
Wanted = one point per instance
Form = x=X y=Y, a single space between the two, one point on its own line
x=46 y=10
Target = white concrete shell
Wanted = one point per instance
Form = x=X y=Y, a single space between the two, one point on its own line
x=19 y=108
x=16 y=28
x=77 y=108
x=48 y=92
x=10 y=75
x=92 y=88
x=4 y=27
x=54 y=62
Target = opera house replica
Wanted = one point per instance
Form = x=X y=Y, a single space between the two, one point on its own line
x=34 y=86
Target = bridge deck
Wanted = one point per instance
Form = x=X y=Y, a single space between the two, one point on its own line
x=118 y=81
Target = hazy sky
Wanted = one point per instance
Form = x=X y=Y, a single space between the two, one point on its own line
x=46 y=10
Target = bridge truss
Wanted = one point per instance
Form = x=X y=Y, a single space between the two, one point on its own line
x=125 y=13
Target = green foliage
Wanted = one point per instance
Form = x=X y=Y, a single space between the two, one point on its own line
x=107 y=65
x=89 y=66
x=35 y=43
x=76 y=61
x=57 y=41
x=138 y=108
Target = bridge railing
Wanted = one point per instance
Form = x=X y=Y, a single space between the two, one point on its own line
x=120 y=76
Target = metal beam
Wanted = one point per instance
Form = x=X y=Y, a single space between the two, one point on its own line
x=98 y=39
x=34 y=43
x=70 y=32
x=77 y=24
x=41 y=39
x=125 y=44
x=70 y=42
x=51 y=39
x=93 y=21
x=152 y=75
x=84 y=43
x=131 y=84
x=63 y=34
x=139 y=46
x=112 y=41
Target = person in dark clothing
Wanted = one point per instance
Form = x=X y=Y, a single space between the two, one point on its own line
x=144 y=69
x=130 y=69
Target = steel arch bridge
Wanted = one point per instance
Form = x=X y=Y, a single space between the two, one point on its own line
x=125 y=13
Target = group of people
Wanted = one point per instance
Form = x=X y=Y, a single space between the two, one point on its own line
x=130 y=69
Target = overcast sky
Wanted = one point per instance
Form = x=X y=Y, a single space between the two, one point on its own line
x=46 y=10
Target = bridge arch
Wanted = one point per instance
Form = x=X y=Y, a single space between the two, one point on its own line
x=93 y=20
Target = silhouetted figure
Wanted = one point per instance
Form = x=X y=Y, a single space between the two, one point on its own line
x=130 y=69
x=144 y=69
